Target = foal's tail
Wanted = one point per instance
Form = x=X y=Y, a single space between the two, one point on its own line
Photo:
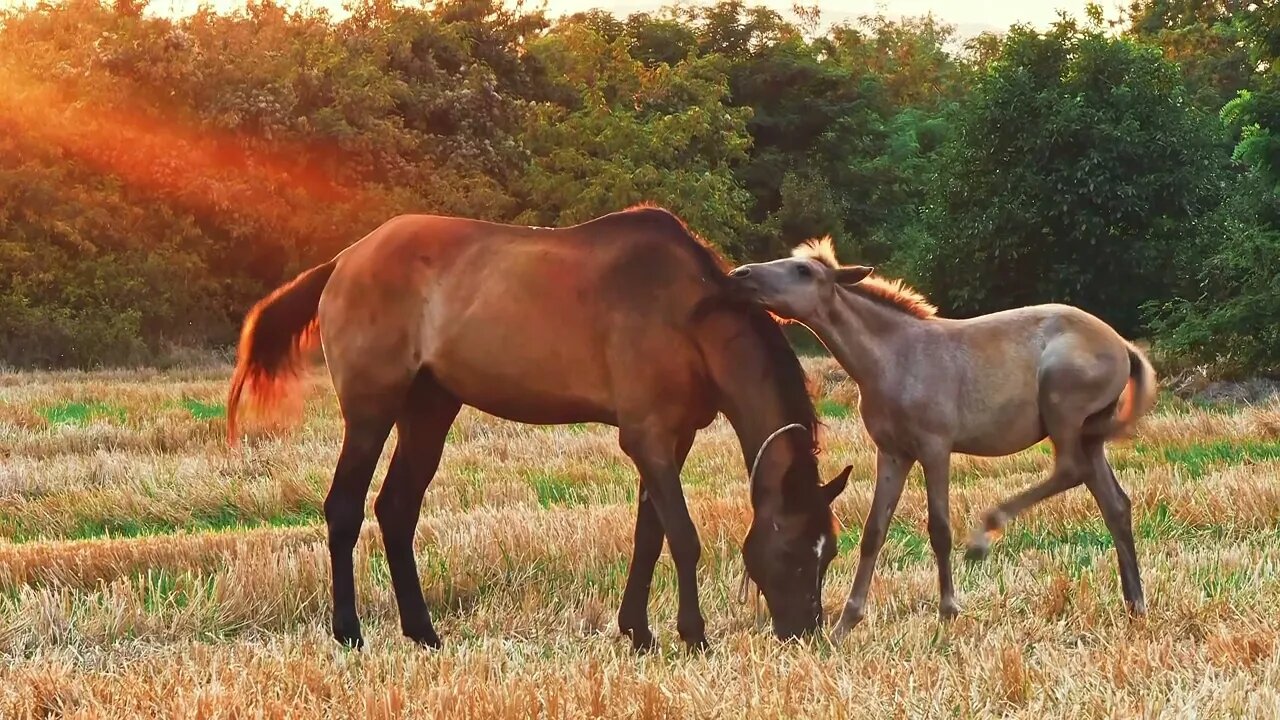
x=1136 y=400
x=278 y=332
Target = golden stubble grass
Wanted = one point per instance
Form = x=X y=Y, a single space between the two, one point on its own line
x=211 y=608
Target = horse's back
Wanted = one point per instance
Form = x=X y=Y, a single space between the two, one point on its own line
x=521 y=322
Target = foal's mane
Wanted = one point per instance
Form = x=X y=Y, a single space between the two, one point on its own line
x=894 y=293
x=787 y=372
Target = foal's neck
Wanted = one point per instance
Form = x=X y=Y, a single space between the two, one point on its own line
x=863 y=334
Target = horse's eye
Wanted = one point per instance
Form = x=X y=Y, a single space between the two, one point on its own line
x=803 y=271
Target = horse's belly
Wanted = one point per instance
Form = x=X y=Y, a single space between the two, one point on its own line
x=529 y=374
x=1000 y=436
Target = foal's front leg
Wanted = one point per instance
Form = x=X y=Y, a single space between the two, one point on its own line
x=891 y=475
x=937 y=477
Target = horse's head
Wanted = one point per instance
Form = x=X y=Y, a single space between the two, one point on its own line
x=790 y=544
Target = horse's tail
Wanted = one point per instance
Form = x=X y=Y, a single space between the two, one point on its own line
x=1136 y=400
x=278 y=332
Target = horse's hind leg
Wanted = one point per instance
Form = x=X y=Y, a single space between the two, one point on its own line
x=633 y=615
x=1117 y=513
x=423 y=424
x=994 y=520
x=344 y=512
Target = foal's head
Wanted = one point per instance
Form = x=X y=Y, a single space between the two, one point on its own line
x=798 y=287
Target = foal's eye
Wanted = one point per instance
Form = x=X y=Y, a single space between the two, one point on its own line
x=803 y=271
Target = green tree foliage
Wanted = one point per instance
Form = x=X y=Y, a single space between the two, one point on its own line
x=1079 y=173
x=636 y=133
x=1254 y=115
x=827 y=156
x=158 y=175
x=1231 y=317
x=1204 y=37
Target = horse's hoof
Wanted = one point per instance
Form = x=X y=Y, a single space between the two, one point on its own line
x=948 y=611
x=428 y=639
x=977 y=553
x=349 y=641
x=642 y=640
x=849 y=619
x=697 y=646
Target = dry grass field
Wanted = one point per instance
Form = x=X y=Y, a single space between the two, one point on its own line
x=146 y=570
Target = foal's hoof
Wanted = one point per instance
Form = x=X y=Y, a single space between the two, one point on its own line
x=849 y=619
x=977 y=553
x=948 y=611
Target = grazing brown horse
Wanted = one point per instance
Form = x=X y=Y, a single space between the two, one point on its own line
x=627 y=319
x=991 y=385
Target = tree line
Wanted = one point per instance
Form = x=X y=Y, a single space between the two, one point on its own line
x=158 y=175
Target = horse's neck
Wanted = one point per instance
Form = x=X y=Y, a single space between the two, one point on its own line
x=864 y=336
x=755 y=404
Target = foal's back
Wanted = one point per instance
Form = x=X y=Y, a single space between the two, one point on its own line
x=1003 y=359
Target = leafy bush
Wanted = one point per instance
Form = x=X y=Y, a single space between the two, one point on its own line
x=1078 y=173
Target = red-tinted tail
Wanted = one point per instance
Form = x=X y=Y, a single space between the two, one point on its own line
x=1136 y=400
x=277 y=334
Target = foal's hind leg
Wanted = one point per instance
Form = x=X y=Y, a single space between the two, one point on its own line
x=994 y=520
x=344 y=513
x=633 y=615
x=1067 y=396
x=422 y=427
x=1117 y=513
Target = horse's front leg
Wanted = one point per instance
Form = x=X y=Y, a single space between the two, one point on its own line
x=633 y=615
x=659 y=457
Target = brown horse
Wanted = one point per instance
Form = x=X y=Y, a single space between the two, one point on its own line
x=991 y=385
x=627 y=320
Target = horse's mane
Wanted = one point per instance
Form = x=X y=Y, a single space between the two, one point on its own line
x=894 y=293
x=789 y=374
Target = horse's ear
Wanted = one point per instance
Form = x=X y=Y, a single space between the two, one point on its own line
x=832 y=490
x=853 y=274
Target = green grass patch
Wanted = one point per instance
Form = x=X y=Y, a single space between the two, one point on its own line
x=223 y=518
x=1217 y=582
x=1198 y=459
x=80 y=413
x=556 y=490
x=829 y=408
x=204 y=411
x=162 y=590
x=903 y=545
x=1171 y=404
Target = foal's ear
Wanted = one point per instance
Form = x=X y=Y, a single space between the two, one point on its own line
x=832 y=490
x=853 y=274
